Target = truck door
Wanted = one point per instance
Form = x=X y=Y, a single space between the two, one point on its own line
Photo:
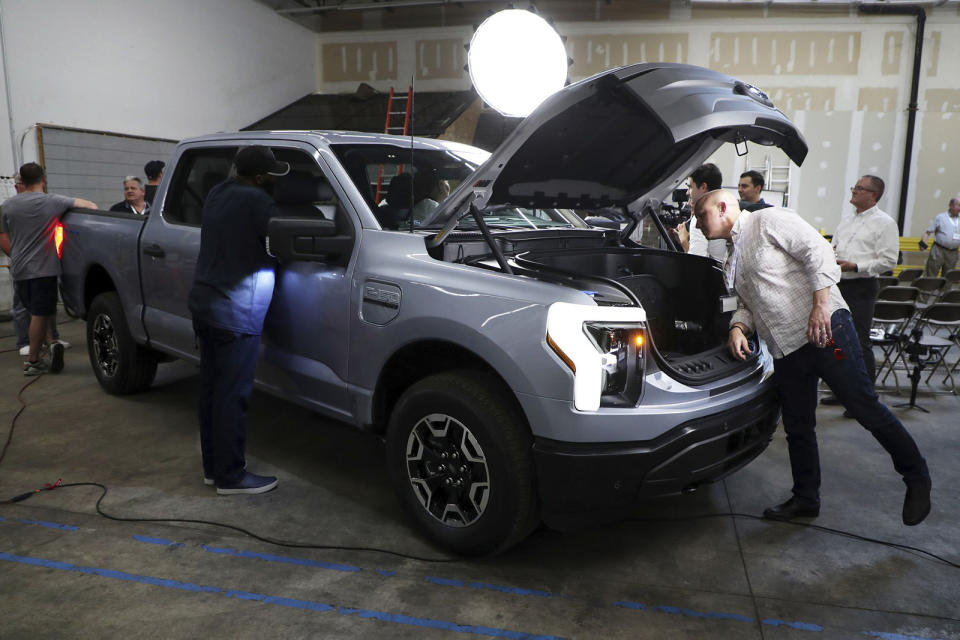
x=306 y=332
x=171 y=242
x=303 y=357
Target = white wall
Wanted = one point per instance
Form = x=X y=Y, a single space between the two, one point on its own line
x=169 y=69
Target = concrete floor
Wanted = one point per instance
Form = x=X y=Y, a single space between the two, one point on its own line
x=66 y=572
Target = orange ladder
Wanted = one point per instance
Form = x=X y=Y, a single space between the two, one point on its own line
x=402 y=130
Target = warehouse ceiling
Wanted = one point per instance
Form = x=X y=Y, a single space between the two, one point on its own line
x=325 y=16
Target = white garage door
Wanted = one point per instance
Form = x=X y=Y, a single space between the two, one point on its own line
x=92 y=164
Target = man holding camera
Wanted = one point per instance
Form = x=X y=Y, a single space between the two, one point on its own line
x=946 y=239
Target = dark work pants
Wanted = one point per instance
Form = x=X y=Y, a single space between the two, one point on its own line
x=228 y=362
x=797 y=376
x=861 y=297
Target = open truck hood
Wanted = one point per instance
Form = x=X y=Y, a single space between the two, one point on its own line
x=622 y=135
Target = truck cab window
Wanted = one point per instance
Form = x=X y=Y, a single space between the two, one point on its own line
x=304 y=192
x=198 y=171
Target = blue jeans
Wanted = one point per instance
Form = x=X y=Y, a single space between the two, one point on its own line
x=797 y=376
x=228 y=362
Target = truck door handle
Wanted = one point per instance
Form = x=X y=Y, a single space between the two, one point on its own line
x=154 y=250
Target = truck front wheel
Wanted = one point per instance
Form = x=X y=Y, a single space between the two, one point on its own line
x=120 y=364
x=460 y=459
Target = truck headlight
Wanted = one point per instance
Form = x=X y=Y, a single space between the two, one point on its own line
x=604 y=348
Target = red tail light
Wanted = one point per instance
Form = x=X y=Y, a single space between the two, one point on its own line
x=58 y=238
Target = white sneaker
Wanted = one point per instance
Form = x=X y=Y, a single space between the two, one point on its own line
x=25 y=350
x=66 y=345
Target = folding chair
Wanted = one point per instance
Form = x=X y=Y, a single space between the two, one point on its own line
x=953 y=279
x=899 y=294
x=939 y=316
x=909 y=275
x=891 y=318
x=951 y=297
x=930 y=289
x=888 y=281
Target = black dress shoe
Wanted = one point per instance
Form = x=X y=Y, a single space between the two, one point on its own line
x=916 y=504
x=793 y=508
x=829 y=400
x=847 y=414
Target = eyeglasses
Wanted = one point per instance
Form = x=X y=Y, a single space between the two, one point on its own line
x=859 y=188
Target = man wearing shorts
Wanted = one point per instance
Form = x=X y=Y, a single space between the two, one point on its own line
x=30 y=220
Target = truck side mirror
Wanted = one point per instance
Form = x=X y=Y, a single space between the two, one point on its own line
x=307 y=239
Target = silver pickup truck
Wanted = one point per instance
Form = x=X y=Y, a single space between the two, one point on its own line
x=520 y=364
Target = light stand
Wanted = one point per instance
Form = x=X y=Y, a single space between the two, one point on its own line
x=916 y=351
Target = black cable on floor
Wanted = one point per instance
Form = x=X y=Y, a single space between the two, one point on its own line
x=246 y=532
x=13 y=422
x=808 y=525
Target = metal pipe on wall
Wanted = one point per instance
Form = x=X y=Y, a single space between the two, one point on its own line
x=912 y=107
x=6 y=92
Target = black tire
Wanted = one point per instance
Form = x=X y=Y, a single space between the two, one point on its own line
x=487 y=502
x=120 y=364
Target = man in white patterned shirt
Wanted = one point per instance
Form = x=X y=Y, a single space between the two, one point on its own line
x=783 y=273
x=867 y=243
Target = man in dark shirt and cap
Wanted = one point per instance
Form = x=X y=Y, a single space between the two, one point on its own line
x=154 y=171
x=232 y=289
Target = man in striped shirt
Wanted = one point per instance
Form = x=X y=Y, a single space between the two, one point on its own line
x=783 y=273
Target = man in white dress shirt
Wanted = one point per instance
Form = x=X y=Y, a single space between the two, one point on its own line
x=783 y=273
x=867 y=243
x=945 y=229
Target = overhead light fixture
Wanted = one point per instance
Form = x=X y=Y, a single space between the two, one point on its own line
x=516 y=60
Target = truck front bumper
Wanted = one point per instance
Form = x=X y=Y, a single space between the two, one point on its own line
x=578 y=477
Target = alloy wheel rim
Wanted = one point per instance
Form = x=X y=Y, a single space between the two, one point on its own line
x=448 y=470
x=105 y=348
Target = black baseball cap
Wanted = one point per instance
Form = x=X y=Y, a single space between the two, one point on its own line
x=153 y=168
x=257 y=160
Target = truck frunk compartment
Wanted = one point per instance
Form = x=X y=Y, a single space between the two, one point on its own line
x=680 y=293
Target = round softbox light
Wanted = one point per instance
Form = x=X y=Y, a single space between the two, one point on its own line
x=516 y=60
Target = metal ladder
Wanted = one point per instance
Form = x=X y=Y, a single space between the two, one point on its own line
x=396 y=129
x=776 y=175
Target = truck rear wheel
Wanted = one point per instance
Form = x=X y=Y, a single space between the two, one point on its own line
x=120 y=364
x=460 y=459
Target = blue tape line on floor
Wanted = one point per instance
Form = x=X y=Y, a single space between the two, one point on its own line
x=160 y=541
x=803 y=626
x=716 y=615
x=894 y=636
x=283 y=559
x=280 y=601
x=51 y=525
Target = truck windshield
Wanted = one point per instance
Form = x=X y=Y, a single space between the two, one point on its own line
x=404 y=188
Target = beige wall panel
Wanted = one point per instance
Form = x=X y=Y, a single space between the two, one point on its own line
x=359 y=61
x=798 y=53
x=824 y=192
x=937 y=171
x=440 y=59
x=876 y=150
x=810 y=11
x=595 y=53
x=877 y=99
x=721 y=13
x=892 y=53
x=803 y=98
x=942 y=100
x=933 y=59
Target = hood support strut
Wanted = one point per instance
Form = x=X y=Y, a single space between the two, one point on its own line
x=494 y=247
